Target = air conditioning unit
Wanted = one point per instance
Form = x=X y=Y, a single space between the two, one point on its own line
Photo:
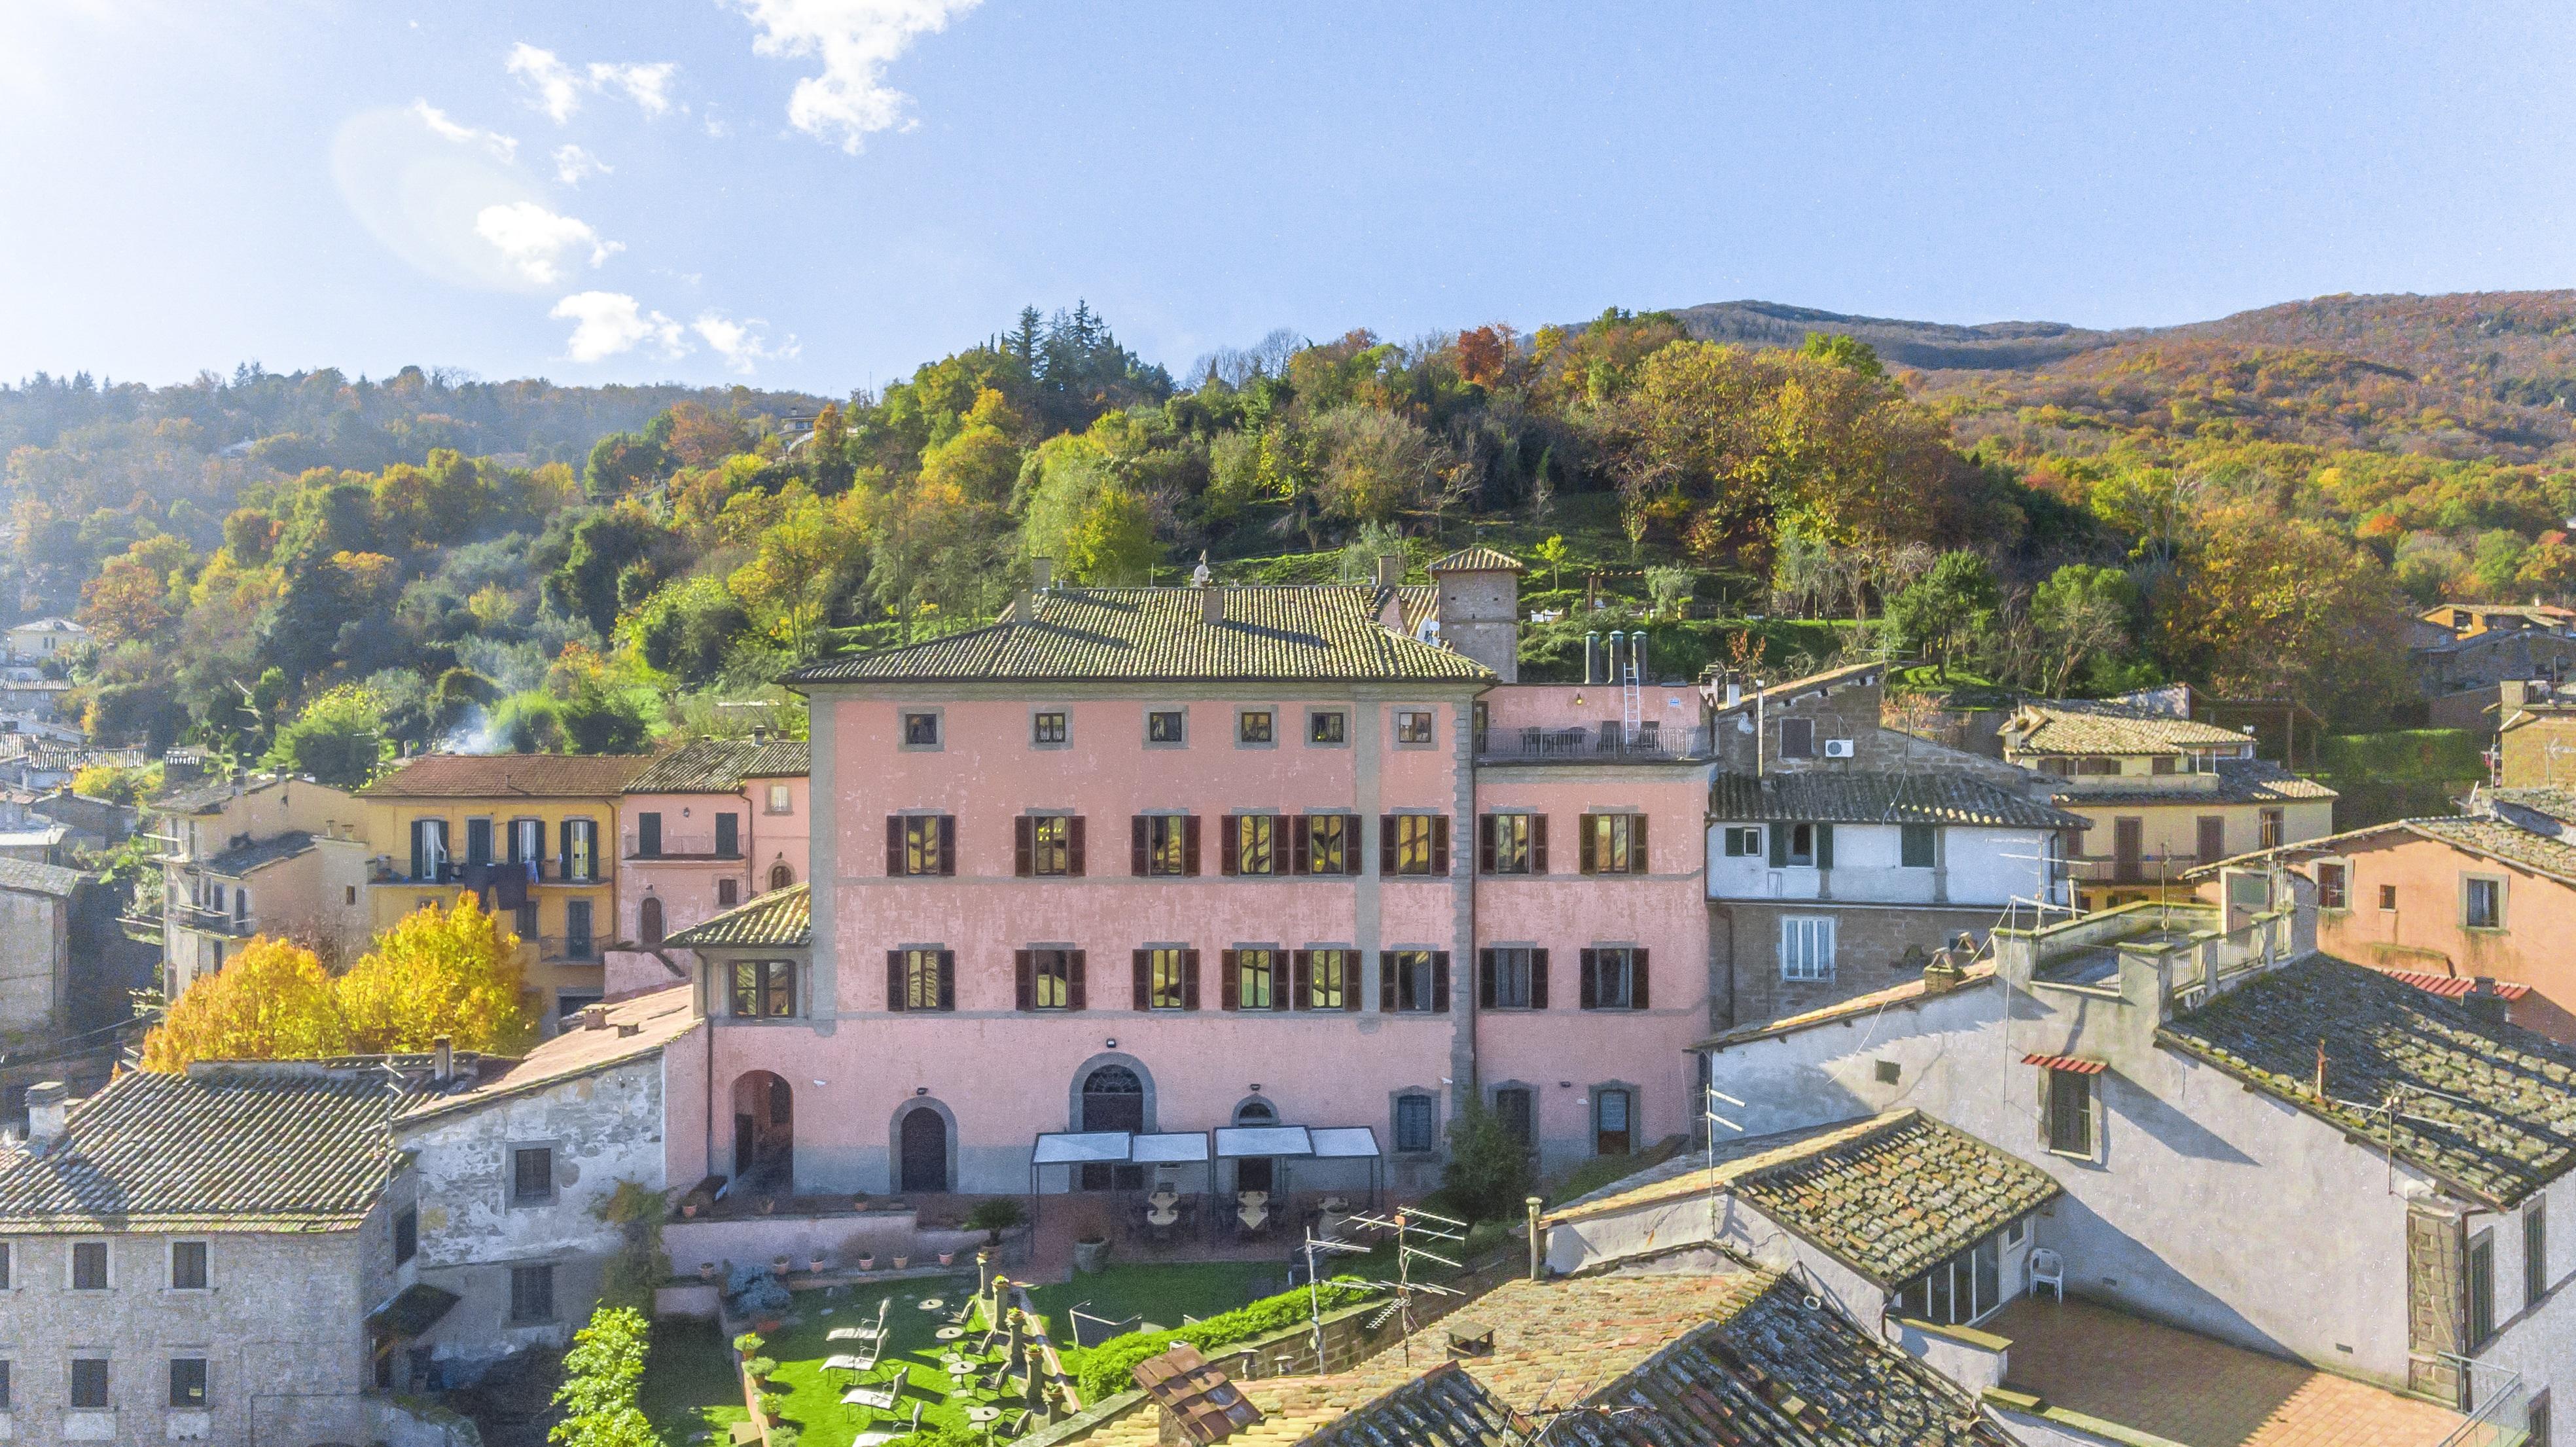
x=1838 y=748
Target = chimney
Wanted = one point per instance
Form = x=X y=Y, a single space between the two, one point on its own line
x=2483 y=1000
x=594 y=1017
x=1390 y=569
x=760 y=733
x=1591 y=658
x=48 y=1110
x=1041 y=573
x=1212 y=604
x=442 y=1060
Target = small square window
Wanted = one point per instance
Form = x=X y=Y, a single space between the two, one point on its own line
x=1797 y=738
x=1328 y=726
x=1166 y=726
x=921 y=730
x=2482 y=903
x=89 y=1384
x=532 y=1175
x=2388 y=896
x=188 y=1382
x=187 y=1266
x=1047 y=727
x=2017 y=1232
x=1743 y=841
x=406 y=1234
x=1253 y=726
x=1915 y=844
x=728 y=893
x=1887 y=1072
x=781 y=799
x=2333 y=884
x=89 y=1266
x=1413 y=727
x=532 y=1293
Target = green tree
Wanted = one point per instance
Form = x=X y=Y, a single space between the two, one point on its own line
x=1080 y=513
x=1940 y=610
x=1551 y=556
x=622 y=463
x=1488 y=1174
x=338 y=739
x=2081 y=613
x=1847 y=352
x=603 y=1373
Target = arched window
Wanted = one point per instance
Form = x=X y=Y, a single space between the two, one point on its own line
x=1256 y=1111
x=780 y=876
x=648 y=920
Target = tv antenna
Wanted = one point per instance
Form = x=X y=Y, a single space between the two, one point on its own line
x=1407 y=1224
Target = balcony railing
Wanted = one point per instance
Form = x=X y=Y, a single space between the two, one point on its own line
x=1582 y=744
x=211 y=921
x=680 y=846
x=477 y=876
x=576 y=949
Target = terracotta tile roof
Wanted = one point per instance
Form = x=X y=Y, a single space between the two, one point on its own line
x=1478 y=559
x=718 y=766
x=2498 y=839
x=781 y=918
x=658 y=1019
x=1888 y=1196
x=2487 y=1110
x=500 y=776
x=28 y=877
x=2081 y=726
x=2240 y=781
x=2550 y=803
x=241 y=859
x=1876 y=798
x=2452 y=987
x=1909 y=993
x=265 y=1146
x=1318 y=632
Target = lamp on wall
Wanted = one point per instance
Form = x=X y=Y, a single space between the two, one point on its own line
x=917 y=1090
x=1109 y=1044
x=1256 y=1087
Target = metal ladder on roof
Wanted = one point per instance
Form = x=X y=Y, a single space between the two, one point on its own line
x=1631 y=704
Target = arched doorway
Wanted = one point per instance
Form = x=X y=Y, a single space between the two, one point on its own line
x=924 y=1163
x=1255 y=1173
x=764 y=1131
x=1113 y=1098
x=780 y=876
x=649 y=920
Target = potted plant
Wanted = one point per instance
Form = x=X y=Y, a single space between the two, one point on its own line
x=1091 y=1245
x=859 y=1202
x=995 y=1216
x=748 y=1345
x=901 y=1261
x=706 y=1271
x=778 y=1263
x=948 y=1257
x=768 y=1204
x=820 y=1263
x=867 y=1261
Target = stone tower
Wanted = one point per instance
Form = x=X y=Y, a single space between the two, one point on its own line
x=1480 y=600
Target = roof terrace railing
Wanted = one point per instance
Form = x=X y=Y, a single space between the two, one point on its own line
x=1584 y=744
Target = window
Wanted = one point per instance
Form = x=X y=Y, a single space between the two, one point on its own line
x=4 y=1386
x=1252 y=980
x=1166 y=845
x=1743 y=841
x=1803 y=845
x=1047 y=728
x=2535 y=1415
x=764 y=989
x=781 y=800
x=2535 y=1251
x=580 y=850
x=2333 y=884
x=2211 y=842
x=577 y=933
x=921 y=979
x=1513 y=844
x=1050 y=979
x=1517 y=1108
x=4 y=1266
x=478 y=841
x=1916 y=845
x=524 y=920
x=648 y=920
x=89 y=1384
x=428 y=852
x=728 y=835
x=2161 y=764
x=1325 y=844
x=188 y=1382
x=89 y=1266
x=1413 y=728
x=187 y=1266
x=1512 y=978
x=1413 y=981
x=648 y=835
x=1328 y=726
x=920 y=845
x=780 y=875
x=1047 y=846
x=1614 y=978
x=1251 y=844
x=1959 y=1290
x=2388 y=896
x=2014 y=1233
x=1797 y=738
x=1415 y=844
x=2480 y=1289
x=348 y=894
x=406 y=1234
x=1807 y=947
x=728 y=893
x=532 y=1175
x=1614 y=844
x=2097 y=765
x=1167 y=979
x=1328 y=979
x=1415 y=1119
x=2069 y=1112
x=1253 y=726
x=921 y=730
x=532 y=1293
x=1614 y=1123
x=1167 y=726
x=2268 y=834
x=2482 y=903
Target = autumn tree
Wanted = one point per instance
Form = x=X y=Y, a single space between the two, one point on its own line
x=449 y=971
x=126 y=603
x=2271 y=606
x=270 y=1001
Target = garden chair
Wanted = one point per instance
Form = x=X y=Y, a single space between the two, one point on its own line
x=2047 y=1269
x=879 y=1397
x=875 y=1333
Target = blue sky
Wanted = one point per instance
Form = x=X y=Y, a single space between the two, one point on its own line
x=823 y=193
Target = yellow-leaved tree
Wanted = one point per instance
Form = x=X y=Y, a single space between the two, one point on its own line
x=452 y=972
x=269 y=1002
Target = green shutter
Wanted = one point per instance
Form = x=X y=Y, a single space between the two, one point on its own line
x=1824 y=846
x=1779 y=846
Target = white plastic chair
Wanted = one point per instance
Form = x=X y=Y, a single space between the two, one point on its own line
x=2047 y=1269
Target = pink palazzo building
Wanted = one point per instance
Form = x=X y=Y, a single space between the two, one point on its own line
x=1167 y=860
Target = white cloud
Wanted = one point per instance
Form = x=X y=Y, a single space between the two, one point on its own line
x=557 y=88
x=463 y=135
x=743 y=345
x=856 y=40
x=573 y=165
x=649 y=86
x=608 y=323
x=535 y=239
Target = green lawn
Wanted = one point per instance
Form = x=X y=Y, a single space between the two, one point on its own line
x=689 y=1385
x=1162 y=1293
x=688 y=1390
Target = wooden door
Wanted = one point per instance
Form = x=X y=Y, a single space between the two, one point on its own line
x=925 y=1150
x=2128 y=850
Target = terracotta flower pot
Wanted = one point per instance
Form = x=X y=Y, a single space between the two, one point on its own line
x=778 y=1264
x=867 y=1261
x=901 y=1262
x=819 y=1264
x=947 y=1258
x=706 y=1271
x=688 y=1208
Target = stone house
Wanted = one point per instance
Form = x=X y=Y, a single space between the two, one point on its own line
x=195 y=1257
x=513 y=1164
x=38 y=903
x=2468 y=658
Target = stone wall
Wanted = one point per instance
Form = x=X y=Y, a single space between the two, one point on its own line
x=2436 y=1273
x=1868 y=941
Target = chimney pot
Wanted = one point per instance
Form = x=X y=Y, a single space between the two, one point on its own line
x=48 y=1112
x=1390 y=569
x=442 y=1060
x=1212 y=604
x=1041 y=573
x=594 y=1017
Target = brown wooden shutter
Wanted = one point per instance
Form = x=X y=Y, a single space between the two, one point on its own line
x=1386 y=981
x=1074 y=850
x=1637 y=978
x=1023 y=846
x=1301 y=979
x=948 y=844
x=1485 y=847
x=1538 y=844
x=1354 y=853
x=1440 y=845
x=1588 y=981
x=1190 y=845
x=1189 y=979
x=894 y=845
x=1385 y=844
x=1538 y=979
x=1137 y=864
x=1637 y=860
x=1439 y=982
x=894 y=980
x=1225 y=844
x=1075 y=994
x=1300 y=858
x=1583 y=832
x=947 y=979
x=1350 y=968
x=1025 y=962
x=1225 y=980
x=1485 y=970
x=1144 y=963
